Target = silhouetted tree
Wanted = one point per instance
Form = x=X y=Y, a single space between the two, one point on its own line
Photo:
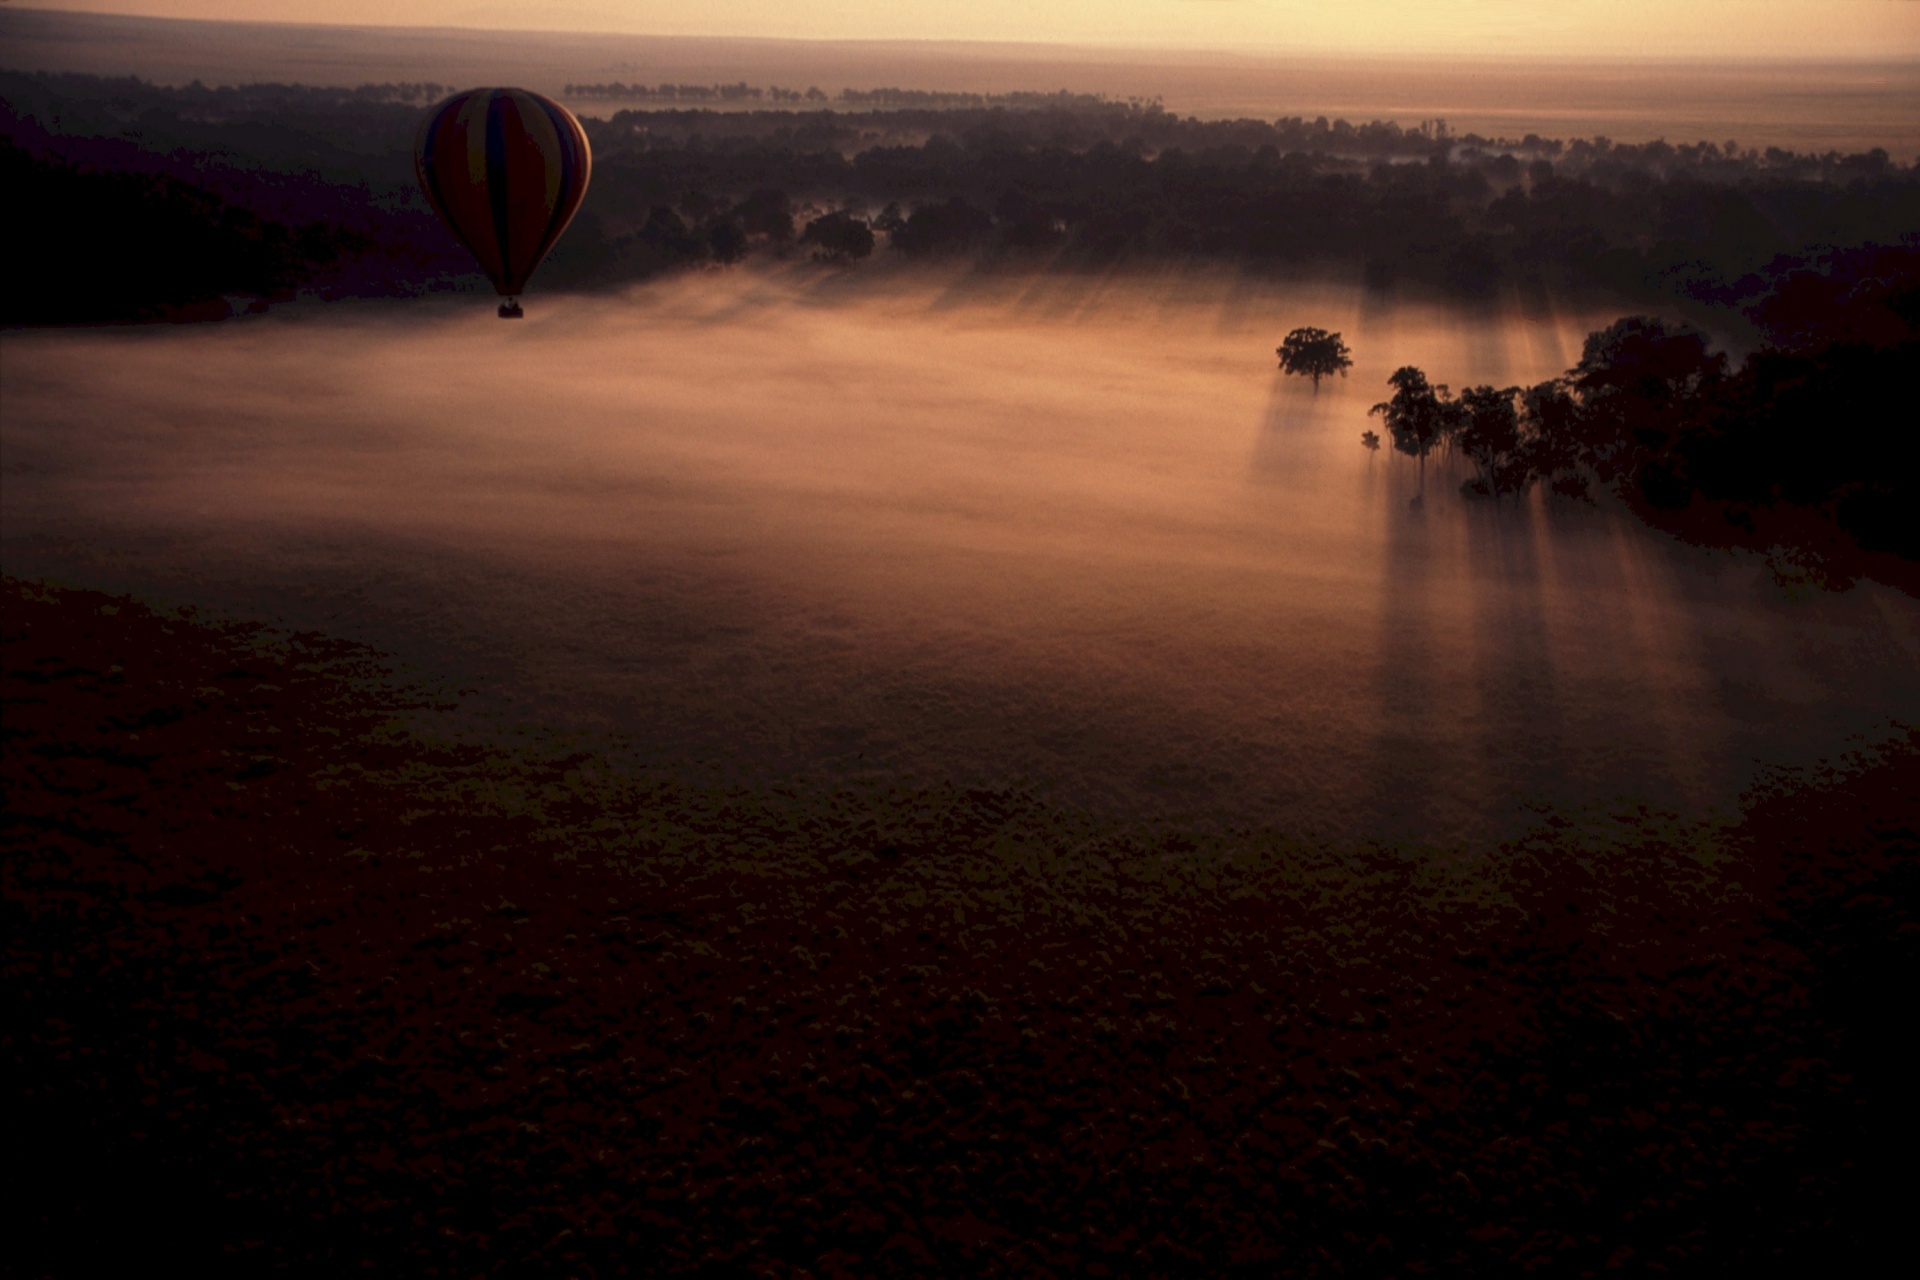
x=1638 y=381
x=1025 y=223
x=767 y=213
x=1551 y=421
x=839 y=237
x=728 y=241
x=1418 y=417
x=1371 y=441
x=668 y=235
x=1314 y=353
x=942 y=228
x=1491 y=436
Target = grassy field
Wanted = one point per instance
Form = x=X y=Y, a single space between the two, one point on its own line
x=297 y=984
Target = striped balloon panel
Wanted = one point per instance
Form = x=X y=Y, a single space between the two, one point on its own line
x=505 y=170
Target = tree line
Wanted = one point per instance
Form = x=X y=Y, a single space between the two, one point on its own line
x=665 y=92
x=936 y=99
x=1465 y=229
x=1707 y=227
x=1806 y=443
x=1699 y=224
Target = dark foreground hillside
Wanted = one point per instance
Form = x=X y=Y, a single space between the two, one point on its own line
x=293 y=988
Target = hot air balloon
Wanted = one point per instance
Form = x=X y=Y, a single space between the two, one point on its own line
x=505 y=170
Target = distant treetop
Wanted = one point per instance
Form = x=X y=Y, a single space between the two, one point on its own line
x=1314 y=353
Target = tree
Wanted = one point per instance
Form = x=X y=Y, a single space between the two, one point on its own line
x=727 y=240
x=766 y=213
x=1550 y=417
x=1370 y=439
x=1419 y=416
x=941 y=228
x=1490 y=434
x=839 y=237
x=891 y=220
x=1314 y=353
x=1638 y=382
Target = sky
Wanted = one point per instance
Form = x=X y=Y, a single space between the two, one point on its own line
x=1615 y=28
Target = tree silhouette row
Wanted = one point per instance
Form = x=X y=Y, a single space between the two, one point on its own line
x=1803 y=443
x=1709 y=226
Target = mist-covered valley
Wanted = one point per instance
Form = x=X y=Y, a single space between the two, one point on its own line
x=1072 y=536
x=878 y=730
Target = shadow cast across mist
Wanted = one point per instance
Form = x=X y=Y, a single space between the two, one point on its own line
x=1303 y=430
x=1531 y=652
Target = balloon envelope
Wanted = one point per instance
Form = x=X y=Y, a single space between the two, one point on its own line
x=506 y=170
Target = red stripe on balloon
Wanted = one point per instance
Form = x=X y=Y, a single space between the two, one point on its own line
x=460 y=130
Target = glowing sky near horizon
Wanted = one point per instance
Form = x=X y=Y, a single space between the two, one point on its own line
x=1619 y=28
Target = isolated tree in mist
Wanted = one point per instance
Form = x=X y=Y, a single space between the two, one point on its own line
x=1314 y=353
x=1370 y=439
x=1418 y=417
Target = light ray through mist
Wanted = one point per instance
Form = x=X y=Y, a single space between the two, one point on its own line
x=1072 y=534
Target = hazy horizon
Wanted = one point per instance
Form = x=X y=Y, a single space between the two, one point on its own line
x=1802 y=104
x=1630 y=28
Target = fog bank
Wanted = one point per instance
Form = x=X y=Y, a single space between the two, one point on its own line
x=1074 y=536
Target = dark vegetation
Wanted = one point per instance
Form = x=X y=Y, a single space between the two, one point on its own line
x=116 y=245
x=1063 y=180
x=742 y=92
x=1806 y=446
x=292 y=989
x=1314 y=353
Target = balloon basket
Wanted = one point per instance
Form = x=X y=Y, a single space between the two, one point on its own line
x=510 y=309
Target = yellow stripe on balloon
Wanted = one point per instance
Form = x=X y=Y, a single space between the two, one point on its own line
x=471 y=120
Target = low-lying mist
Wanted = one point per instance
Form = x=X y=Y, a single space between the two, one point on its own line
x=1075 y=536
